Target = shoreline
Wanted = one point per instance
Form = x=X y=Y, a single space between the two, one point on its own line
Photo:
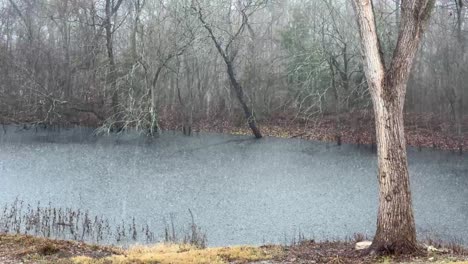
x=356 y=131
x=421 y=131
x=29 y=249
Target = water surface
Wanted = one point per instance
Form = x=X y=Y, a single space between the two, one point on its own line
x=241 y=190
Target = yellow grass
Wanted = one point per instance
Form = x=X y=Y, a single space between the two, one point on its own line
x=184 y=254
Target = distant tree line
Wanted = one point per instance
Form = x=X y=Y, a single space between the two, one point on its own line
x=129 y=63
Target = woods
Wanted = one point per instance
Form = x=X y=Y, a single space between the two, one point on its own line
x=139 y=64
x=383 y=73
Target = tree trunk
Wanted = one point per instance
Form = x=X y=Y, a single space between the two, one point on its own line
x=249 y=115
x=395 y=221
x=396 y=232
x=112 y=76
x=458 y=112
x=154 y=125
x=138 y=5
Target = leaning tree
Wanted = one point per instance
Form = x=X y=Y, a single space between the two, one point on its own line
x=396 y=232
x=245 y=9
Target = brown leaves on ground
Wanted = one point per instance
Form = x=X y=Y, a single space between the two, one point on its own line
x=422 y=130
x=325 y=252
x=344 y=253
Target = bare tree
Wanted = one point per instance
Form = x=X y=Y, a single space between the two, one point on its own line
x=228 y=56
x=396 y=232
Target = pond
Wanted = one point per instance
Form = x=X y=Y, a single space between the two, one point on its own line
x=240 y=190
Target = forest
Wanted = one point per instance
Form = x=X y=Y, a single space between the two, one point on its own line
x=264 y=119
x=152 y=65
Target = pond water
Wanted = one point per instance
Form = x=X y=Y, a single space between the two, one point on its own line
x=240 y=190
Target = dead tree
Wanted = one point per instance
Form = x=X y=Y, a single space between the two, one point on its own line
x=228 y=58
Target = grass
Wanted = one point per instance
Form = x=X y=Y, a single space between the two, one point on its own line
x=72 y=224
x=186 y=254
x=28 y=249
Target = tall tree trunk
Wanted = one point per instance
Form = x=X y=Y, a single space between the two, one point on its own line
x=112 y=76
x=154 y=125
x=396 y=232
x=458 y=111
x=67 y=66
x=395 y=222
x=138 y=5
x=249 y=115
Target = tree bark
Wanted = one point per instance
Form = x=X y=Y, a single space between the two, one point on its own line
x=396 y=232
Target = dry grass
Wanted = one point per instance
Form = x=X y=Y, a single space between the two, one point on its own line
x=29 y=249
x=185 y=254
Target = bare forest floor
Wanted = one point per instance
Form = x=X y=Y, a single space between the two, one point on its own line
x=422 y=130
x=26 y=249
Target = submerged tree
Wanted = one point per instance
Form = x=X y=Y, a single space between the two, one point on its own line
x=396 y=232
